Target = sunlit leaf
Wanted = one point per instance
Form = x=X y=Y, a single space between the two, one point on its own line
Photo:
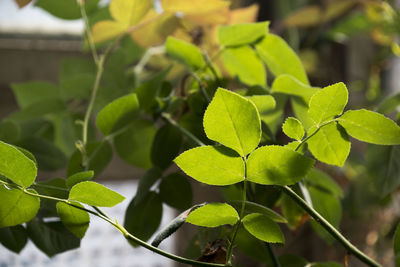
x=213 y=215
x=74 y=219
x=95 y=194
x=263 y=228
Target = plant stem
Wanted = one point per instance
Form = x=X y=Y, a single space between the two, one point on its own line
x=202 y=88
x=331 y=229
x=87 y=31
x=274 y=259
x=237 y=226
x=311 y=135
x=126 y=234
x=170 y=120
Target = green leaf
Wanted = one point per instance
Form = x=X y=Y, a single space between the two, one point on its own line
x=176 y=191
x=142 y=218
x=49 y=157
x=67 y=9
x=9 y=131
x=396 y=245
x=263 y=228
x=16 y=166
x=289 y=85
x=146 y=182
x=389 y=104
x=99 y=155
x=166 y=146
x=16 y=207
x=214 y=165
x=244 y=63
x=29 y=93
x=327 y=103
x=241 y=34
x=95 y=194
x=292 y=212
x=280 y=58
x=147 y=92
x=14 y=238
x=117 y=114
x=185 y=52
x=265 y=104
x=291 y=260
x=39 y=109
x=213 y=215
x=370 y=127
x=74 y=219
x=252 y=207
x=79 y=177
x=77 y=76
x=134 y=144
x=233 y=121
x=322 y=181
x=276 y=165
x=51 y=237
x=300 y=110
x=293 y=128
x=251 y=246
x=326 y=264
x=383 y=166
x=330 y=144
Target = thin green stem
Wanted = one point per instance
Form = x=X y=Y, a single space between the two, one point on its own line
x=87 y=31
x=50 y=187
x=210 y=66
x=311 y=135
x=145 y=59
x=202 y=88
x=168 y=118
x=237 y=225
x=271 y=252
x=331 y=229
x=126 y=234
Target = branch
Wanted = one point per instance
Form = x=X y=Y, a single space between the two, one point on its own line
x=331 y=229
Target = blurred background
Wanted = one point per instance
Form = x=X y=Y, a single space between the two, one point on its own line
x=351 y=41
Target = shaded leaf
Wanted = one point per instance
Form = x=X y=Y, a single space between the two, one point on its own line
x=166 y=146
x=252 y=207
x=143 y=218
x=66 y=9
x=146 y=182
x=79 y=177
x=321 y=180
x=263 y=228
x=14 y=238
x=29 y=93
x=176 y=191
x=185 y=52
x=276 y=165
x=289 y=85
x=74 y=219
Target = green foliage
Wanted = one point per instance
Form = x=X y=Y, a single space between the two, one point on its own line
x=280 y=58
x=214 y=165
x=74 y=219
x=213 y=215
x=175 y=190
x=94 y=194
x=371 y=127
x=263 y=228
x=293 y=128
x=16 y=166
x=276 y=165
x=233 y=121
x=244 y=63
x=242 y=34
x=327 y=103
x=117 y=114
x=79 y=177
x=17 y=207
x=13 y=238
x=185 y=52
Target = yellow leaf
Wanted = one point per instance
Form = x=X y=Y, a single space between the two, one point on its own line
x=244 y=15
x=130 y=12
x=156 y=27
x=106 y=30
x=337 y=8
x=22 y=3
x=219 y=16
x=193 y=6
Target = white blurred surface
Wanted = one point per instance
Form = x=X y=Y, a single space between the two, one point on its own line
x=102 y=246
